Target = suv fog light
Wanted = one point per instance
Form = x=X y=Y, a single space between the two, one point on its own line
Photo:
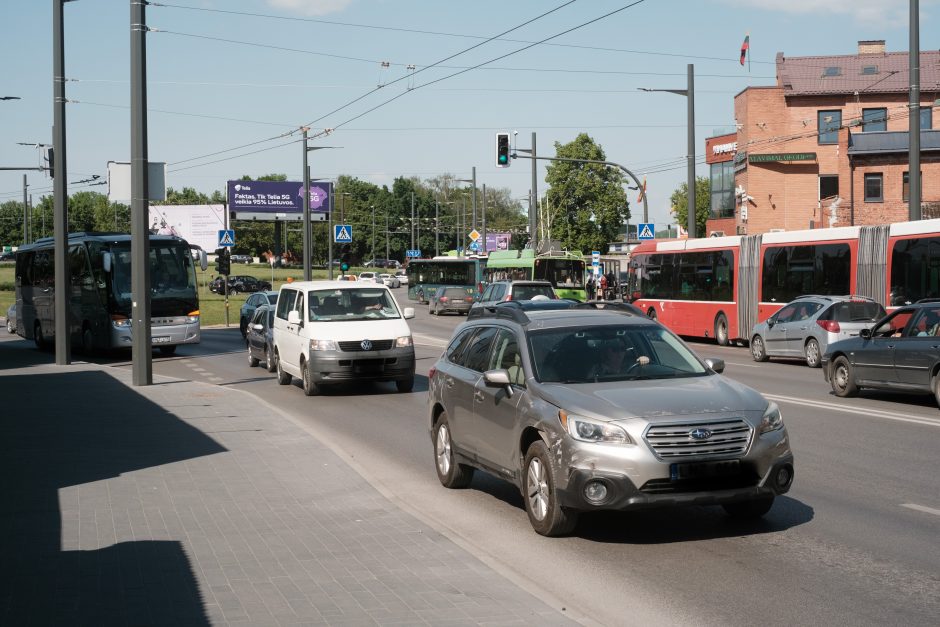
x=784 y=476
x=595 y=492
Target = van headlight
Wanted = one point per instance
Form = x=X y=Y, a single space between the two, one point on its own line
x=404 y=342
x=772 y=419
x=323 y=345
x=595 y=431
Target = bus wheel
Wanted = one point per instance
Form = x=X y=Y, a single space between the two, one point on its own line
x=168 y=350
x=721 y=330
x=38 y=337
x=651 y=313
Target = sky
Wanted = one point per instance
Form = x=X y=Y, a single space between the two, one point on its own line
x=409 y=87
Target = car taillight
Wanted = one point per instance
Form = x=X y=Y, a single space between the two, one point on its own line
x=469 y=299
x=829 y=325
x=443 y=299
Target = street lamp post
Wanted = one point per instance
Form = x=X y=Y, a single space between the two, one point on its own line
x=689 y=93
x=373 y=235
x=306 y=238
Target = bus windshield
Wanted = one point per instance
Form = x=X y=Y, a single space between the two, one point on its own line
x=172 y=277
x=560 y=272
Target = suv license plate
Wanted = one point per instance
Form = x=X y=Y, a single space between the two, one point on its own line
x=704 y=470
x=160 y=340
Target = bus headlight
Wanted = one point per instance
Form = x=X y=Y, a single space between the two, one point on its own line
x=323 y=345
x=120 y=322
x=192 y=317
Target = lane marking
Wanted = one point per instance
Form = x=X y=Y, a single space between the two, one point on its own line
x=921 y=508
x=871 y=413
x=429 y=340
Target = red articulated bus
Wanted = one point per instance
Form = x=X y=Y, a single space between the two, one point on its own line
x=720 y=287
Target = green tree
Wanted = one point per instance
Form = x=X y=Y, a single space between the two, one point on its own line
x=590 y=198
x=680 y=204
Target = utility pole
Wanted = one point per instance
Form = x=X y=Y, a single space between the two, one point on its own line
x=484 y=218
x=63 y=343
x=306 y=238
x=412 y=220
x=437 y=228
x=329 y=235
x=913 y=175
x=473 y=222
x=386 y=235
x=25 y=214
x=142 y=356
x=373 y=235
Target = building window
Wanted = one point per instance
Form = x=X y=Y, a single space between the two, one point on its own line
x=906 y=186
x=874 y=188
x=874 y=120
x=926 y=118
x=832 y=70
x=722 y=190
x=828 y=123
x=828 y=185
x=869 y=70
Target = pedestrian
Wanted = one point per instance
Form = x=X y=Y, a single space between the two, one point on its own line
x=602 y=287
x=589 y=286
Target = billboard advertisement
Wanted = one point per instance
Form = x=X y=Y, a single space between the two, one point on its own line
x=278 y=200
x=197 y=224
x=498 y=241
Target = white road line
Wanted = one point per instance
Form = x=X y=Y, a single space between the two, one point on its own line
x=428 y=340
x=921 y=508
x=870 y=413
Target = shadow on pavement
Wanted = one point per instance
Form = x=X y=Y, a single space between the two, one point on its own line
x=72 y=507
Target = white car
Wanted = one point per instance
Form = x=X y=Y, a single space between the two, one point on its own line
x=369 y=277
x=390 y=280
x=402 y=277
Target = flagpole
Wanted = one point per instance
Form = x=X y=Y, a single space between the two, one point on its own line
x=749 y=53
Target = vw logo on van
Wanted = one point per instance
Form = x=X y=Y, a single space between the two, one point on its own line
x=366 y=345
x=700 y=434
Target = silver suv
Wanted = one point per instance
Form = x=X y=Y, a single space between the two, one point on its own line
x=805 y=327
x=586 y=409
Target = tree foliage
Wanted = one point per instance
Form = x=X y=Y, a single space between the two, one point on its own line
x=589 y=199
x=680 y=204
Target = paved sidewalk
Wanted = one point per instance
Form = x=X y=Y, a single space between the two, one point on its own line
x=187 y=503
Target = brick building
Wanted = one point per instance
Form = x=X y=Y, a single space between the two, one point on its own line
x=827 y=145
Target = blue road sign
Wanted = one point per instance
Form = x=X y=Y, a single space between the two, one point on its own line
x=413 y=253
x=342 y=233
x=475 y=246
x=646 y=230
x=227 y=237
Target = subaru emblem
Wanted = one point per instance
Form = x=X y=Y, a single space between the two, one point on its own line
x=367 y=346
x=700 y=434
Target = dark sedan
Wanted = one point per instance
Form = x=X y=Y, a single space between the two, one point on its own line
x=254 y=301
x=901 y=352
x=260 y=338
x=244 y=283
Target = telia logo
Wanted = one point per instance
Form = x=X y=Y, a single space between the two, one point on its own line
x=239 y=187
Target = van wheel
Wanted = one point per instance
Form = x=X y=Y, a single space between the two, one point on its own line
x=38 y=337
x=450 y=473
x=310 y=388
x=546 y=516
x=812 y=353
x=283 y=378
x=721 y=330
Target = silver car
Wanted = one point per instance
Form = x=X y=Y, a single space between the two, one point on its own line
x=805 y=327
x=585 y=409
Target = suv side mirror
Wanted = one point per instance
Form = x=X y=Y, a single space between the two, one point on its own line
x=498 y=378
x=716 y=364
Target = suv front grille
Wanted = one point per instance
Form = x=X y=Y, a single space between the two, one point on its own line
x=356 y=346
x=727 y=438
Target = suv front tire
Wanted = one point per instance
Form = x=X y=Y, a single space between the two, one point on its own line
x=547 y=517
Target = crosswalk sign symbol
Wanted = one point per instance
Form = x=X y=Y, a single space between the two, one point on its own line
x=645 y=231
x=342 y=234
x=227 y=237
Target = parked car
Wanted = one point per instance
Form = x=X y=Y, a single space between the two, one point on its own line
x=501 y=291
x=587 y=409
x=7 y=256
x=381 y=263
x=11 y=319
x=900 y=352
x=806 y=326
x=259 y=337
x=242 y=259
x=447 y=299
x=328 y=332
x=267 y=297
x=402 y=277
x=238 y=284
x=390 y=280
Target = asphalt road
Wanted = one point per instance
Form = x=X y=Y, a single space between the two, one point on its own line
x=854 y=542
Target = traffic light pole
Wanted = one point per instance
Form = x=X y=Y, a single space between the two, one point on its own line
x=607 y=163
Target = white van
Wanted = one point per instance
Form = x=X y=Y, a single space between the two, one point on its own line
x=337 y=331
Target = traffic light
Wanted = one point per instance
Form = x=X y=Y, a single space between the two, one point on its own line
x=502 y=150
x=50 y=158
x=223 y=262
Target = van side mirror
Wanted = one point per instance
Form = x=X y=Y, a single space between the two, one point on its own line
x=293 y=317
x=409 y=312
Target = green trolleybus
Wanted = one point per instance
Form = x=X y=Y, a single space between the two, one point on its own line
x=563 y=269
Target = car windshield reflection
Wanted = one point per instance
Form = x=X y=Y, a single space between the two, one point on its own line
x=351 y=304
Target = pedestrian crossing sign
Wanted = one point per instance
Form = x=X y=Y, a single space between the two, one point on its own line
x=226 y=237
x=646 y=230
x=342 y=233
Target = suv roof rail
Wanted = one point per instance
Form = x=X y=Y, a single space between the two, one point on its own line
x=612 y=305
x=823 y=296
x=510 y=309
x=927 y=300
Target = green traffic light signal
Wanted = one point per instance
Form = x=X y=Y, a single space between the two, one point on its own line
x=344 y=267
x=502 y=150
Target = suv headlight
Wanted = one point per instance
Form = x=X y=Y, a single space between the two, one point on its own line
x=595 y=431
x=772 y=419
x=404 y=341
x=323 y=345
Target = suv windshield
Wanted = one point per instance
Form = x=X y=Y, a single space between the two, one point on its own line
x=351 y=304
x=610 y=353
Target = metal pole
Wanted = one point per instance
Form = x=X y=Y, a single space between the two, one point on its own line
x=533 y=201
x=473 y=221
x=412 y=220
x=913 y=176
x=437 y=228
x=463 y=216
x=373 y=235
x=60 y=193
x=484 y=218
x=691 y=150
x=386 y=236
x=329 y=235
x=142 y=351
x=25 y=214
x=306 y=238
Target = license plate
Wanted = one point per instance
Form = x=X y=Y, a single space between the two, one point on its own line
x=160 y=340
x=704 y=470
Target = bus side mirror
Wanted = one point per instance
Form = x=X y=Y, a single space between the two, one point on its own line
x=106 y=261
x=203 y=260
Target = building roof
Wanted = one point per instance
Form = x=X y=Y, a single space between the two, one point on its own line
x=873 y=73
x=889 y=142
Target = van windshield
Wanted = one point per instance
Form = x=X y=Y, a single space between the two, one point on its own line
x=351 y=304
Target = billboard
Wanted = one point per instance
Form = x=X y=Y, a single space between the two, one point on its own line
x=278 y=200
x=498 y=241
x=119 y=181
x=197 y=224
